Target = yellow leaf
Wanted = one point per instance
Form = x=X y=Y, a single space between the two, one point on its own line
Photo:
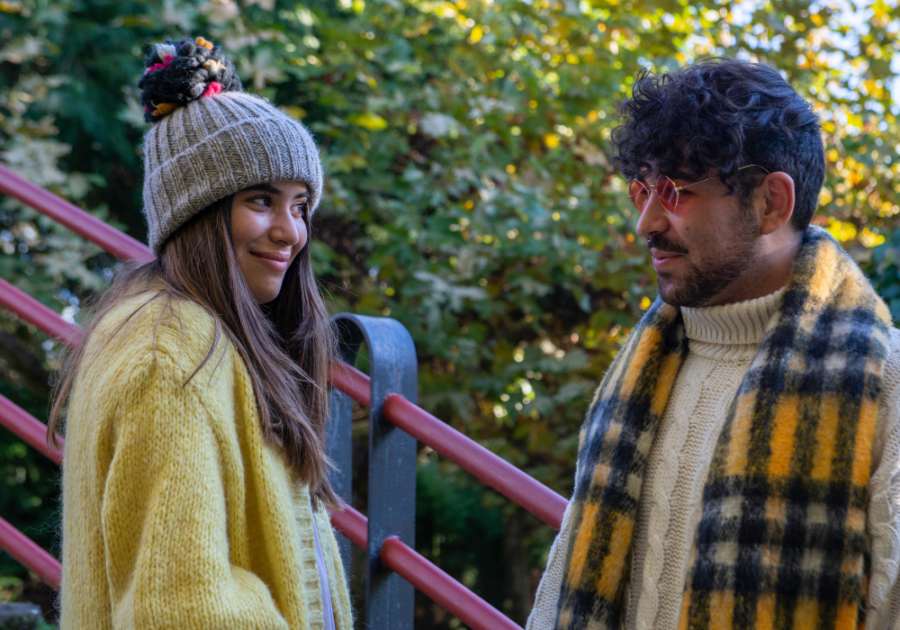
x=645 y=303
x=369 y=120
x=476 y=35
x=297 y=113
x=870 y=239
x=10 y=7
x=551 y=140
x=841 y=230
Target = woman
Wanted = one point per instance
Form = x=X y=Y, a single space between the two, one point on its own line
x=194 y=481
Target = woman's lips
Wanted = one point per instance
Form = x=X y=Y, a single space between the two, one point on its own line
x=275 y=261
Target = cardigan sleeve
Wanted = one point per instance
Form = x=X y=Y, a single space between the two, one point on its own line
x=164 y=514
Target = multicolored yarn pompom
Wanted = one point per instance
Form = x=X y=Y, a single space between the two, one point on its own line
x=159 y=66
x=178 y=72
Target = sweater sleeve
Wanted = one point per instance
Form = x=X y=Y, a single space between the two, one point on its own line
x=164 y=514
x=543 y=615
x=884 y=502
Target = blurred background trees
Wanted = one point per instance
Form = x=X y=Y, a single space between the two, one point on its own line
x=468 y=195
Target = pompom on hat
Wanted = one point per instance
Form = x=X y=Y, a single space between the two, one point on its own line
x=210 y=139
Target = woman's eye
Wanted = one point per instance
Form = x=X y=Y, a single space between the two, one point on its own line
x=261 y=201
x=300 y=208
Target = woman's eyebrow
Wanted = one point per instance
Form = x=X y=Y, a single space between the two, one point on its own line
x=269 y=188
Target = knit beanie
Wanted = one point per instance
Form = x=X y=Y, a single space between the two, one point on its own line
x=210 y=139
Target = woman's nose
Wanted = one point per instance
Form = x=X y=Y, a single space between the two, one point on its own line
x=286 y=228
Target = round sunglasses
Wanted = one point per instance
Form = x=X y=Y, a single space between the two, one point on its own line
x=666 y=190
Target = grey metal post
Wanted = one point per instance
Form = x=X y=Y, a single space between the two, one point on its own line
x=340 y=443
x=340 y=452
x=392 y=463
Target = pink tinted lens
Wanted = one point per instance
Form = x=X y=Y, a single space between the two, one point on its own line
x=639 y=195
x=668 y=196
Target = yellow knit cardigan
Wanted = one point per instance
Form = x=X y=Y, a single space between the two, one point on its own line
x=176 y=514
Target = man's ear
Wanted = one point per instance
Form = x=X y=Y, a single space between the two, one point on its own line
x=777 y=193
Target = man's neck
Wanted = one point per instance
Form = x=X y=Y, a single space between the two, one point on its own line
x=767 y=271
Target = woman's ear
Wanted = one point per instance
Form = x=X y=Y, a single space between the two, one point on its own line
x=777 y=193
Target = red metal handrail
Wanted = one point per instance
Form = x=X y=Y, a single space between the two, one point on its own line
x=441 y=587
x=353 y=525
x=38 y=315
x=492 y=469
x=29 y=428
x=35 y=559
x=90 y=227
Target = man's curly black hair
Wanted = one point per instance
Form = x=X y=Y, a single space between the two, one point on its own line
x=722 y=114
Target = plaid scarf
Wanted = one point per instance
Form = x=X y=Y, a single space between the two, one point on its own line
x=781 y=542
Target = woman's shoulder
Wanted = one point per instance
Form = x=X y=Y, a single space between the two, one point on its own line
x=155 y=326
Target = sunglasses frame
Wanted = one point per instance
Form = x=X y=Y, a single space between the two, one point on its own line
x=651 y=188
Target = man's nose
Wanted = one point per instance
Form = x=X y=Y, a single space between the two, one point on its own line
x=654 y=219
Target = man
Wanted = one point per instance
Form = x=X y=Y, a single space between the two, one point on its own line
x=740 y=464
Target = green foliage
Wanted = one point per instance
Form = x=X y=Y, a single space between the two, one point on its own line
x=468 y=188
x=884 y=270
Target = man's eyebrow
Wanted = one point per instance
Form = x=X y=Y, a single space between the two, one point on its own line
x=686 y=176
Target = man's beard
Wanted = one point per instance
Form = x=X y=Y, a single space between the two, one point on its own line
x=699 y=284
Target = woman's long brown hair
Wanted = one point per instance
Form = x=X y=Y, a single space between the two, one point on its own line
x=287 y=345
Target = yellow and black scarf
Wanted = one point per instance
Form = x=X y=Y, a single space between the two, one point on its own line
x=782 y=538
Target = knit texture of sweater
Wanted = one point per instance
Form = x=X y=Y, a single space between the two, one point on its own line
x=176 y=513
x=722 y=343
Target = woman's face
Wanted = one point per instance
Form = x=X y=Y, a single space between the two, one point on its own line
x=268 y=230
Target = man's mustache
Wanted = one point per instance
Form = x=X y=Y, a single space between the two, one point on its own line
x=659 y=241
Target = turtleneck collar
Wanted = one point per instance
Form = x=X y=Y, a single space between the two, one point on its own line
x=730 y=330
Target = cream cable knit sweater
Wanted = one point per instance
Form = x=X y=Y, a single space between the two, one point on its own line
x=723 y=341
